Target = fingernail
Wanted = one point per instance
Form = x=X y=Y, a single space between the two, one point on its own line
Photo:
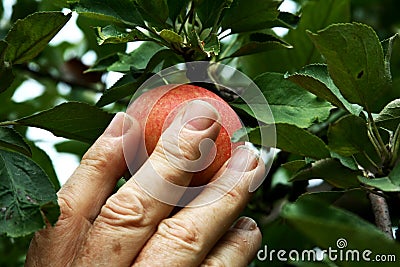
x=245 y=223
x=243 y=159
x=199 y=115
x=120 y=125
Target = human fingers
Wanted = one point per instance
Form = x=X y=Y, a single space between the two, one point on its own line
x=186 y=238
x=237 y=247
x=130 y=216
x=103 y=164
x=81 y=198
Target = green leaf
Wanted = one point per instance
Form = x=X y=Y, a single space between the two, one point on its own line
x=387 y=46
x=289 y=138
x=153 y=11
x=121 y=13
x=299 y=141
x=13 y=250
x=355 y=63
x=6 y=72
x=73 y=120
x=330 y=197
x=330 y=170
x=294 y=165
x=86 y=24
x=124 y=87
x=394 y=175
x=348 y=162
x=384 y=183
x=27 y=198
x=166 y=57
x=315 y=15
x=315 y=79
x=44 y=161
x=114 y=35
x=288 y=20
x=7 y=77
x=288 y=102
x=23 y=8
x=279 y=235
x=104 y=63
x=11 y=139
x=29 y=36
x=171 y=36
x=196 y=46
x=1 y=9
x=348 y=135
x=259 y=43
x=325 y=225
x=389 y=117
x=209 y=11
x=137 y=59
x=250 y=15
x=176 y=7
x=211 y=45
x=72 y=147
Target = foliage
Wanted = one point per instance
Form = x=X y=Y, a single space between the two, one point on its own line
x=332 y=83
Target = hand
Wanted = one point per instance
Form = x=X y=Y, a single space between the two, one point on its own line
x=130 y=227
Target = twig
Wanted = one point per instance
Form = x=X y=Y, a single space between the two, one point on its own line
x=75 y=85
x=381 y=213
x=8 y=123
x=190 y=13
x=46 y=75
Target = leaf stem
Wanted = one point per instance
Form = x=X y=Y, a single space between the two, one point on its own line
x=159 y=40
x=373 y=163
x=216 y=22
x=191 y=11
x=8 y=123
x=374 y=141
x=377 y=136
x=224 y=55
x=396 y=146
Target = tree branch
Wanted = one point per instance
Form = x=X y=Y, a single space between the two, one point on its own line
x=381 y=213
x=74 y=84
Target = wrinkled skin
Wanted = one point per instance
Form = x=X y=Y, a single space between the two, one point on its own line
x=130 y=227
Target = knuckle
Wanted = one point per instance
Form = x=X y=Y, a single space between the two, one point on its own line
x=178 y=147
x=99 y=157
x=125 y=209
x=181 y=235
x=67 y=204
x=171 y=162
x=189 y=146
x=232 y=193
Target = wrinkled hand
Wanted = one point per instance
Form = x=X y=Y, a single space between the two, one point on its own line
x=130 y=227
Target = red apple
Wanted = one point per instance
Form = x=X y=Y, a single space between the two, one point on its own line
x=156 y=108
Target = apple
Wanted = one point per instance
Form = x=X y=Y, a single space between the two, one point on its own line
x=156 y=108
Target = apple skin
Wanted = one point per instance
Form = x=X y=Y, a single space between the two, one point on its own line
x=156 y=108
